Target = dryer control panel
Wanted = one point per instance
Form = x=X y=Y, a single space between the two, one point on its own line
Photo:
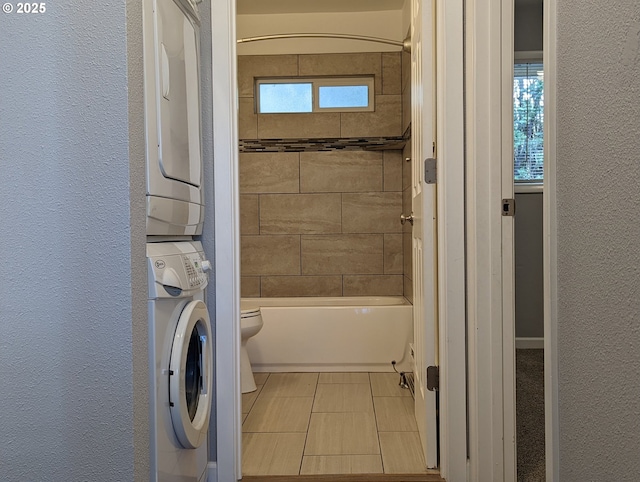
x=176 y=269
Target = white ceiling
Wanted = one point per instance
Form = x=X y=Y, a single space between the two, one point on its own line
x=248 y=7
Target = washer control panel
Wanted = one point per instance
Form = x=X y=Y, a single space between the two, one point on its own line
x=176 y=269
x=193 y=267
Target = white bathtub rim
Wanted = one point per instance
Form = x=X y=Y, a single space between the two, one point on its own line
x=324 y=302
x=331 y=368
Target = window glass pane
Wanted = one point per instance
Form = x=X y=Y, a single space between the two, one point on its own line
x=528 y=117
x=284 y=98
x=343 y=96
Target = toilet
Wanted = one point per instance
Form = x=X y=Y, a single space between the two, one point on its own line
x=250 y=325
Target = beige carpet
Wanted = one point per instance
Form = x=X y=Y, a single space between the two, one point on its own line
x=530 y=415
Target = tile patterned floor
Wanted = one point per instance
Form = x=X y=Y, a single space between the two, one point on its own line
x=329 y=423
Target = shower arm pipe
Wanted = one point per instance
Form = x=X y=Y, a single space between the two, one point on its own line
x=405 y=44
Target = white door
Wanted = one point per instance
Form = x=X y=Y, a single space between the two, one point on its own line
x=424 y=233
x=191 y=373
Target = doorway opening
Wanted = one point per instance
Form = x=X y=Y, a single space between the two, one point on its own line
x=226 y=432
x=321 y=196
x=528 y=120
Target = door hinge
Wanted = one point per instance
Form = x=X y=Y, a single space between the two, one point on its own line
x=431 y=170
x=433 y=378
x=508 y=207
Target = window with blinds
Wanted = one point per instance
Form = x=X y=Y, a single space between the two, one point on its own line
x=528 y=107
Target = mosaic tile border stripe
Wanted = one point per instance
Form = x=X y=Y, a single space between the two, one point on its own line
x=313 y=145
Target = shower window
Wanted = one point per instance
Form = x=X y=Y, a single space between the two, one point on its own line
x=323 y=94
x=281 y=97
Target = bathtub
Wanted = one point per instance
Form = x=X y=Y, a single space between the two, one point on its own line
x=331 y=334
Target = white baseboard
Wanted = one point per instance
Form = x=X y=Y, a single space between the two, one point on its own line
x=212 y=472
x=529 y=343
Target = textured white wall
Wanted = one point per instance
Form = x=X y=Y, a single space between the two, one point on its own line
x=598 y=190
x=73 y=335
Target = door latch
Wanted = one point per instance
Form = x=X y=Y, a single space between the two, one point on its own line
x=508 y=207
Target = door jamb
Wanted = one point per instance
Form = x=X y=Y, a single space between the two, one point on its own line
x=228 y=464
x=508 y=243
x=451 y=235
x=550 y=256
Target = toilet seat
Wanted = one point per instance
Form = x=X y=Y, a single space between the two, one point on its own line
x=250 y=313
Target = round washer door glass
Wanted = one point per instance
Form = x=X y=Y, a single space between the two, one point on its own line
x=192 y=369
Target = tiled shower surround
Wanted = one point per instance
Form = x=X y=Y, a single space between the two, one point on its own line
x=323 y=223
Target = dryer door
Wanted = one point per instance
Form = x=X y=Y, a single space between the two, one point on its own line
x=191 y=368
x=179 y=94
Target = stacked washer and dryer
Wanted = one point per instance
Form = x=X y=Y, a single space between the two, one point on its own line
x=180 y=341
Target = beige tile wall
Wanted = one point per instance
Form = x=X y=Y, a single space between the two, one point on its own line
x=324 y=240
x=323 y=223
x=386 y=120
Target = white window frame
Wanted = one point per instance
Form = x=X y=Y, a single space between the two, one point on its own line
x=316 y=83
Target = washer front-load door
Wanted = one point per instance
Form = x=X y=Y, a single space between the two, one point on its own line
x=191 y=368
